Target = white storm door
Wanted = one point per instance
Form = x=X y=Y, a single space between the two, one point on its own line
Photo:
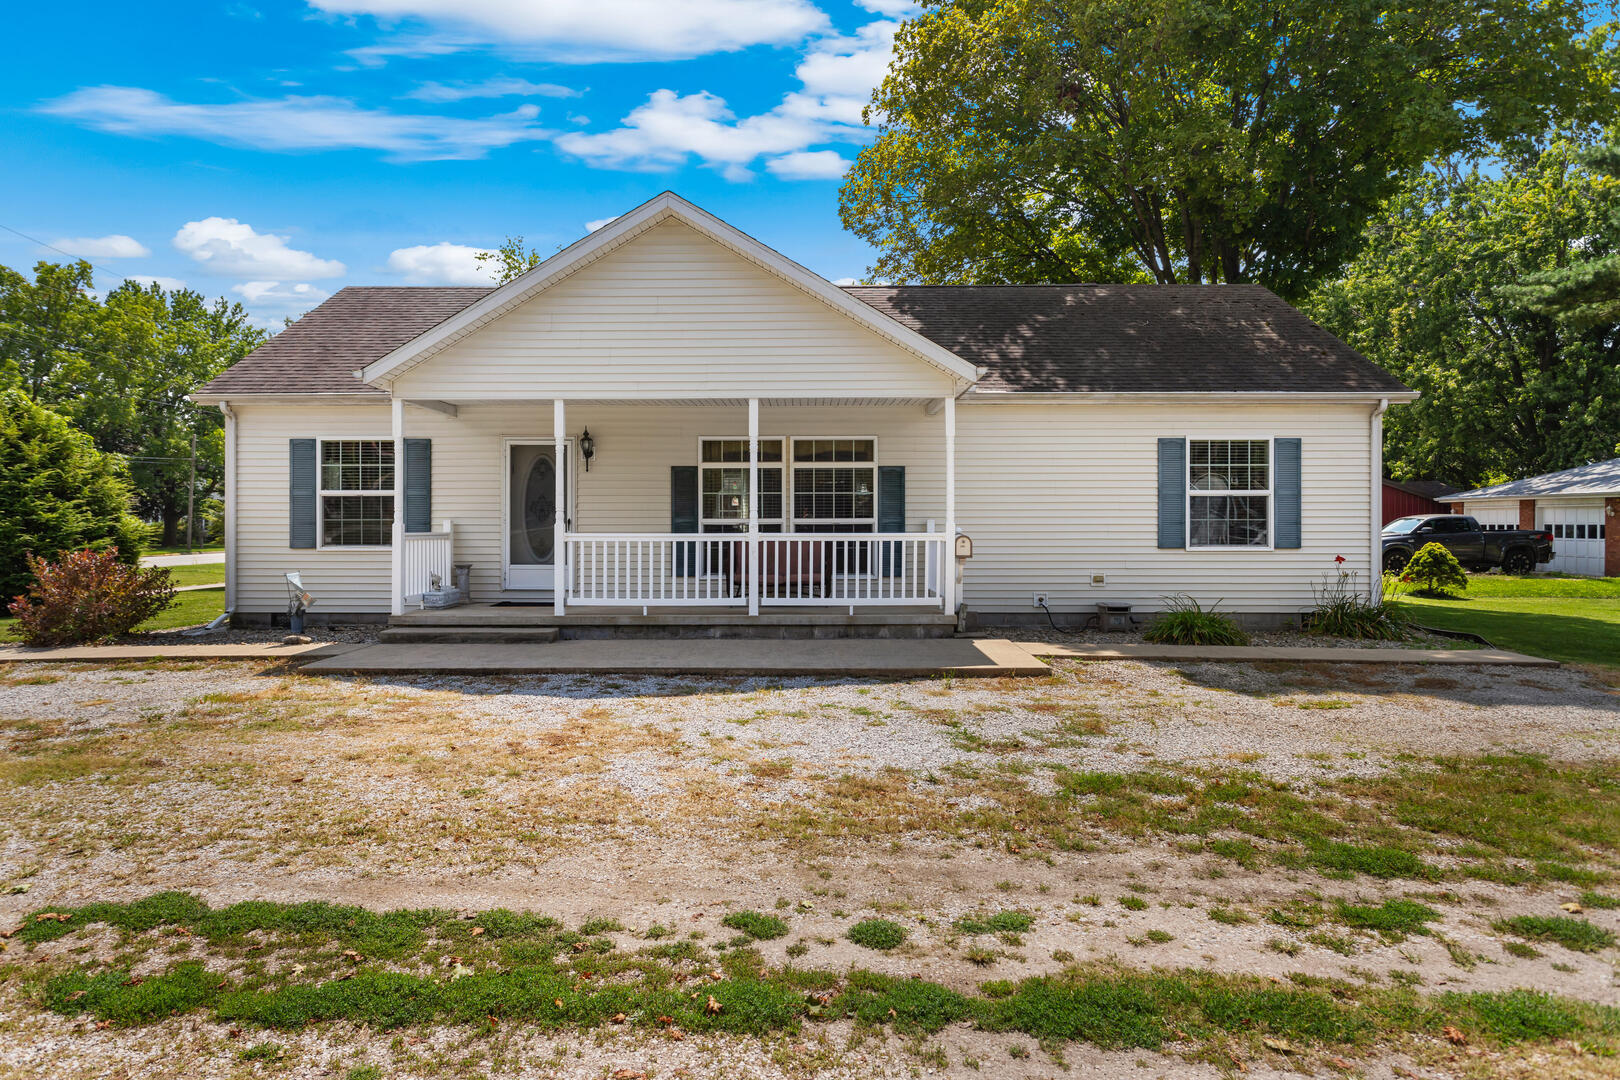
x=529 y=518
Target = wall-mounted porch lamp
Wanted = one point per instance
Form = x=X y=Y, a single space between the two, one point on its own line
x=587 y=447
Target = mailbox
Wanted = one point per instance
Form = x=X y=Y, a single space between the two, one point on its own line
x=964 y=546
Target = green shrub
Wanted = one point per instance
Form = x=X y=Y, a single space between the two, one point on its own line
x=880 y=934
x=757 y=926
x=88 y=596
x=1185 y=622
x=1434 y=571
x=59 y=493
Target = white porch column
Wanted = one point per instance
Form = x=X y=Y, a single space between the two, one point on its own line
x=559 y=529
x=753 y=506
x=948 y=570
x=396 y=552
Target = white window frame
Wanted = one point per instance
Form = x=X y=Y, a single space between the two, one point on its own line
x=877 y=495
x=1270 y=492
x=322 y=493
x=703 y=521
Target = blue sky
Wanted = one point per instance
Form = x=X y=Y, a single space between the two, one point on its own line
x=273 y=152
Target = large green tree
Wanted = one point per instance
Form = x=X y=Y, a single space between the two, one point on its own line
x=1186 y=141
x=120 y=368
x=1586 y=289
x=58 y=492
x=1508 y=390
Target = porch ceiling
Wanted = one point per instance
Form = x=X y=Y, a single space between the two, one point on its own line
x=733 y=403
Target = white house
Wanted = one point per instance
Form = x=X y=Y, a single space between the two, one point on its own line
x=1118 y=443
x=1576 y=505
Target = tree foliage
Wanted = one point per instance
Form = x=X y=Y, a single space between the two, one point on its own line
x=59 y=493
x=120 y=368
x=1435 y=571
x=1507 y=391
x=510 y=260
x=1186 y=141
x=1586 y=289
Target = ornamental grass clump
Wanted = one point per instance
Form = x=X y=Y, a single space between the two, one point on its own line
x=1185 y=622
x=1342 y=611
x=88 y=596
x=1434 y=571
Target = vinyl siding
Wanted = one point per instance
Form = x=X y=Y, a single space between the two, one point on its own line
x=1053 y=493
x=1050 y=493
x=671 y=312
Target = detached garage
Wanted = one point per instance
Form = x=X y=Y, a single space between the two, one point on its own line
x=1578 y=506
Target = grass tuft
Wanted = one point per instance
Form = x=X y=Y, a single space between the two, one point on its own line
x=757 y=926
x=880 y=934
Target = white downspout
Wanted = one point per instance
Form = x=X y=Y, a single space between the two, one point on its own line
x=1375 y=582
x=230 y=508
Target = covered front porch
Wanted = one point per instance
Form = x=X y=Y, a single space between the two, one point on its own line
x=776 y=510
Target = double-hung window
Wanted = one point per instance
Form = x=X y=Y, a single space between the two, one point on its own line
x=357 y=492
x=1229 y=493
x=834 y=485
x=723 y=485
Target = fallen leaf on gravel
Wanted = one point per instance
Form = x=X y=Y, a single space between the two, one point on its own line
x=558 y=1002
x=59 y=916
x=714 y=1006
x=1572 y=907
x=103 y=1025
x=580 y=946
x=475 y=931
x=717 y=975
x=134 y=980
x=1340 y=1063
x=352 y=956
x=619 y=1018
x=630 y=1074
x=297 y=969
x=666 y=1020
x=9 y=933
x=235 y=1033
x=1454 y=1036
x=1282 y=1046
x=76 y=995
x=677 y=1034
x=20 y=889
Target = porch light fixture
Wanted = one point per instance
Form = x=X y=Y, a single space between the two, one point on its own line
x=587 y=447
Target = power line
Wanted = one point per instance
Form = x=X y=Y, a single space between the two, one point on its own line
x=53 y=247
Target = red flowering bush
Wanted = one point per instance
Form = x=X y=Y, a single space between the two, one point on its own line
x=88 y=596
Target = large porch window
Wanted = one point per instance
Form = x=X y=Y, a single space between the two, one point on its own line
x=834 y=485
x=723 y=485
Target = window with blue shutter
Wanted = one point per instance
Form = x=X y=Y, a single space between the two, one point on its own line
x=891 y=511
x=301 y=493
x=683 y=515
x=1173 y=493
x=1287 y=529
x=418 y=485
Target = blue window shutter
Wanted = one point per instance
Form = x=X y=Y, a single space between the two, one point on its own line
x=1172 y=493
x=683 y=515
x=1286 y=479
x=891 y=509
x=418 y=485
x=301 y=493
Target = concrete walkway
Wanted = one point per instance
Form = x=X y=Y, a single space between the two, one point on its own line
x=890 y=657
x=200 y=558
x=1304 y=654
x=886 y=657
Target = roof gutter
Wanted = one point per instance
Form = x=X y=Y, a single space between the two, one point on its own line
x=1375 y=500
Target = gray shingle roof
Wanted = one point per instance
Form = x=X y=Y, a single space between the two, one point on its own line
x=1131 y=338
x=319 y=353
x=1598 y=478
x=1032 y=338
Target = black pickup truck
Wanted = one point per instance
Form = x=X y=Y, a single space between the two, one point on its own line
x=1518 y=551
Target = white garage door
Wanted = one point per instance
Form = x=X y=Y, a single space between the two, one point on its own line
x=1495 y=514
x=1577 y=530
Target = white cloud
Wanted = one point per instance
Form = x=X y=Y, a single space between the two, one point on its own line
x=168 y=284
x=837 y=73
x=228 y=247
x=592 y=226
x=297 y=123
x=491 y=88
x=809 y=165
x=280 y=295
x=584 y=31
x=443 y=263
x=112 y=246
x=895 y=9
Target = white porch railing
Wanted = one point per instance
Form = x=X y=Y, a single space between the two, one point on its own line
x=684 y=569
x=424 y=555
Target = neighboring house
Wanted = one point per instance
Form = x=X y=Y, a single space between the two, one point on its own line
x=1408 y=498
x=1116 y=443
x=1578 y=506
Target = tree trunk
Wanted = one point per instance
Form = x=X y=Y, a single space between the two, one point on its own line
x=171 y=526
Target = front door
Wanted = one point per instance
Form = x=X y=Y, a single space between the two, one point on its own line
x=532 y=537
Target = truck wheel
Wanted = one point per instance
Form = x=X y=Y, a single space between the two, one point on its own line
x=1518 y=561
x=1395 y=559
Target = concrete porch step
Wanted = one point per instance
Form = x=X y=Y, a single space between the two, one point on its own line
x=468 y=635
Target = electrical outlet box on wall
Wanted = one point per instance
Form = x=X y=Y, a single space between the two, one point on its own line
x=1099 y=580
x=1038 y=600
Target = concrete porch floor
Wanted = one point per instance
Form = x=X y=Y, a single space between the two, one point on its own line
x=797 y=622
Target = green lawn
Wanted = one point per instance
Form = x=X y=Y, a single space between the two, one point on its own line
x=188 y=609
x=180 y=549
x=1575 y=620
x=205 y=574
